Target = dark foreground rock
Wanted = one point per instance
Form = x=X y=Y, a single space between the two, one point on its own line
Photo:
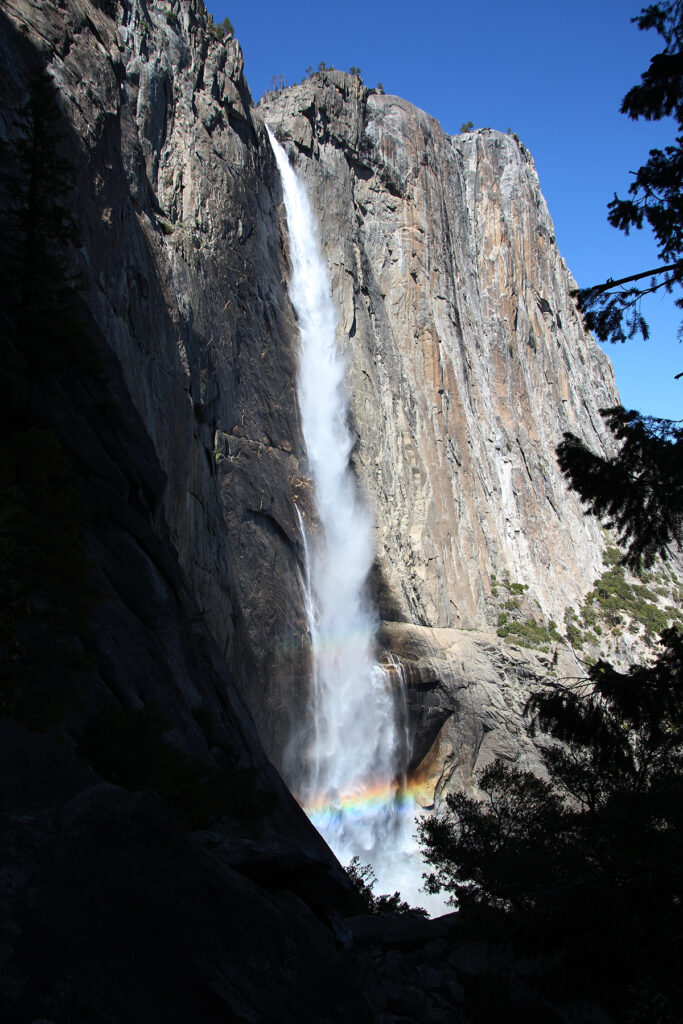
x=110 y=911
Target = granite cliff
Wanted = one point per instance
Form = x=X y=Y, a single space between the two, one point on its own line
x=467 y=362
x=153 y=465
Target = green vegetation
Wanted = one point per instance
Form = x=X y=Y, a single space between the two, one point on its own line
x=466 y=126
x=529 y=632
x=615 y=602
x=614 y=595
x=512 y=588
x=512 y=624
x=572 y=629
x=225 y=27
x=221 y=30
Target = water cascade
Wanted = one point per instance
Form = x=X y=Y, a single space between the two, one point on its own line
x=354 y=787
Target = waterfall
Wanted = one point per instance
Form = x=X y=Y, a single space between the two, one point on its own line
x=354 y=789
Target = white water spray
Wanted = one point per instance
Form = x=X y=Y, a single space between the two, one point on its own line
x=354 y=789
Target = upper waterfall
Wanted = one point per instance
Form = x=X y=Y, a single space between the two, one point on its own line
x=354 y=784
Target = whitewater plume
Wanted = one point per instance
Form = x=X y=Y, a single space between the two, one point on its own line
x=354 y=788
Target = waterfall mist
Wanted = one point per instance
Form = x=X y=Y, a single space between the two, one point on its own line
x=354 y=789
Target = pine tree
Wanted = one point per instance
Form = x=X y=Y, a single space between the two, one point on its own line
x=586 y=864
x=641 y=489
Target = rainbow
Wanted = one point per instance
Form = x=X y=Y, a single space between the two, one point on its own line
x=359 y=802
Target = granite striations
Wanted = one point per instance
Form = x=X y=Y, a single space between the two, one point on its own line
x=467 y=361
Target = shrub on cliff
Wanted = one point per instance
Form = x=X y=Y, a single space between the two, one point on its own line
x=221 y=30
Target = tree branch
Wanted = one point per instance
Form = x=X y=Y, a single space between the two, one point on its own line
x=607 y=285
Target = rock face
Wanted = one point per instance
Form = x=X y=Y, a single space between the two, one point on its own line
x=175 y=243
x=467 y=362
x=466 y=695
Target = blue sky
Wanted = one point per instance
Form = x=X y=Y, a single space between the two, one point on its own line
x=553 y=73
